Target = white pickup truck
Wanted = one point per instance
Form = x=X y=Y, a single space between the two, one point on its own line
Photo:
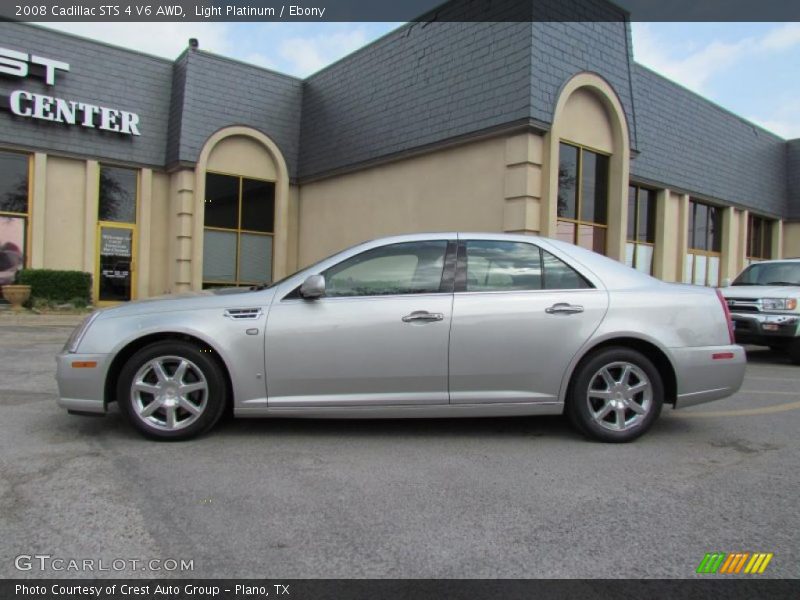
x=764 y=301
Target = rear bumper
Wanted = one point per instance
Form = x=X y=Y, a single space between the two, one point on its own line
x=81 y=387
x=708 y=373
x=764 y=329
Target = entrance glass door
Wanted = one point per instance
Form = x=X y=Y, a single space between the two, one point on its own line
x=116 y=264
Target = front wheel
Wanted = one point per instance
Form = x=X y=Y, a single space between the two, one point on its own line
x=616 y=395
x=171 y=390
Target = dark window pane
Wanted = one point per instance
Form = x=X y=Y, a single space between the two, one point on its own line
x=754 y=237
x=766 y=229
x=408 y=268
x=632 y=212
x=714 y=229
x=222 y=201
x=647 y=216
x=567 y=181
x=594 y=187
x=13 y=182
x=699 y=234
x=12 y=247
x=558 y=275
x=258 y=205
x=117 y=195
x=507 y=266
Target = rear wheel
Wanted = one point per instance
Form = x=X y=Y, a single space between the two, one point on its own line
x=171 y=391
x=616 y=395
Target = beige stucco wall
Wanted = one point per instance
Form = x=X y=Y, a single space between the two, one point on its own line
x=240 y=155
x=791 y=240
x=158 y=253
x=586 y=122
x=459 y=188
x=63 y=220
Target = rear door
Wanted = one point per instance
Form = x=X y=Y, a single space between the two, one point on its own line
x=520 y=314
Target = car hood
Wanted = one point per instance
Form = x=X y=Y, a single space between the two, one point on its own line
x=216 y=298
x=761 y=291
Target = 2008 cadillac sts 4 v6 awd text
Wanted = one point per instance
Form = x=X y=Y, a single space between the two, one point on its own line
x=433 y=325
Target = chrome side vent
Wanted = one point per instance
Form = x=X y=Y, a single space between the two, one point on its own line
x=242 y=314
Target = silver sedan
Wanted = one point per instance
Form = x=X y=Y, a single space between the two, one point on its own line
x=433 y=325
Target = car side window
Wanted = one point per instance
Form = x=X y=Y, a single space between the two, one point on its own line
x=502 y=266
x=404 y=268
x=558 y=275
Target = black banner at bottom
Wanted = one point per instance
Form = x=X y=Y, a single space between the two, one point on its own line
x=391 y=589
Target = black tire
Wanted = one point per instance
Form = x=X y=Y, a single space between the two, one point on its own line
x=202 y=369
x=584 y=412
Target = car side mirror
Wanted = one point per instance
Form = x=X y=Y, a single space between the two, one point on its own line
x=726 y=282
x=313 y=287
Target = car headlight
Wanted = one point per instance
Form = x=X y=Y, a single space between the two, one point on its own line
x=779 y=303
x=77 y=335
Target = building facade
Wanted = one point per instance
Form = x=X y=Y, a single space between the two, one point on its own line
x=160 y=176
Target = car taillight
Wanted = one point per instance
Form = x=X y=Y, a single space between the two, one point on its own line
x=727 y=312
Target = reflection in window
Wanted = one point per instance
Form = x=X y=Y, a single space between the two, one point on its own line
x=503 y=266
x=516 y=266
x=13 y=214
x=641 y=234
x=582 y=197
x=117 y=201
x=239 y=225
x=405 y=268
x=705 y=244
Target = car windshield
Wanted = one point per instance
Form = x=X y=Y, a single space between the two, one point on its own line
x=774 y=273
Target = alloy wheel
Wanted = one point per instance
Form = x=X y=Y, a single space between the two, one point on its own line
x=620 y=396
x=169 y=393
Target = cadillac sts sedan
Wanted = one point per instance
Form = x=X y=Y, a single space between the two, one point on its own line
x=434 y=325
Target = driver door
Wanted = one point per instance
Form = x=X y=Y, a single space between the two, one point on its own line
x=378 y=337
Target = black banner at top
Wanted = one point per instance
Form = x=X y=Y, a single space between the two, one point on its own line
x=400 y=10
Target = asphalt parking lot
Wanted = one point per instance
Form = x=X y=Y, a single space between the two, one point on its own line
x=417 y=498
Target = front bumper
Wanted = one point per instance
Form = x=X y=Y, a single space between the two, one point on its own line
x=708 y=373
x=81 y=387
x=764 y=329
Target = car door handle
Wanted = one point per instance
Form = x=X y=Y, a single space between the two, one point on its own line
x=422 y=315
x=563 y=308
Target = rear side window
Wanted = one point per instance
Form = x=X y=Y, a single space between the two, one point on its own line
x=516 y=266
x=498 y=266
x=560 y=276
